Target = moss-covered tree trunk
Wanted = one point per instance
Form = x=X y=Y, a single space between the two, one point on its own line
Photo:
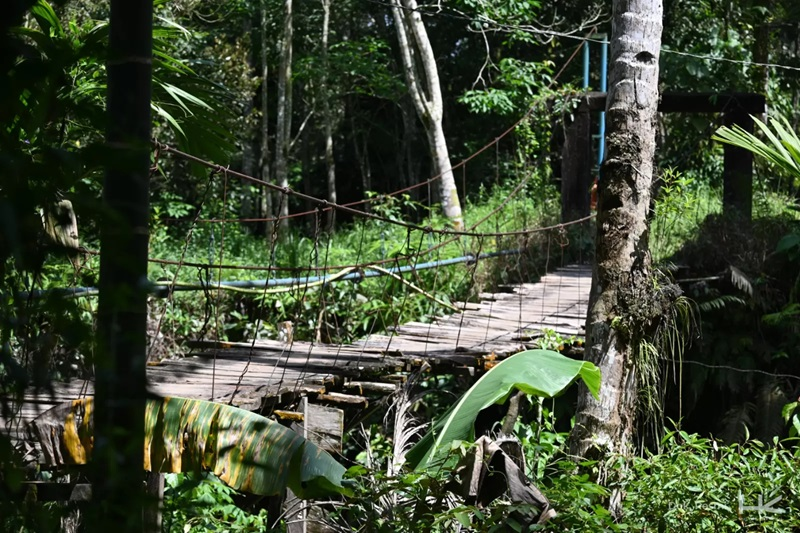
x=619 y=312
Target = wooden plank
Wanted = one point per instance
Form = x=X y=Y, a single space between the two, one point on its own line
x=324 y=426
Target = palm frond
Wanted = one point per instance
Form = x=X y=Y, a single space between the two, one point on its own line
x=783 y=149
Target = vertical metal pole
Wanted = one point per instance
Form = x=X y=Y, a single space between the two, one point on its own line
x=603 y=88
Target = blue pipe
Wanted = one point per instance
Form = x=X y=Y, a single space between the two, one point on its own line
x=603 y=88
x=585 y=64
x=161 y=290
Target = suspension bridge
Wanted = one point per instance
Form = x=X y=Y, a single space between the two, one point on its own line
x=266 y=374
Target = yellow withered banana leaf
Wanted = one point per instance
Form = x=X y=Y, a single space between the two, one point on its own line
x=247 y=451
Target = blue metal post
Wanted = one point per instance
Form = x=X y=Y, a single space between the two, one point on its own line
x=603 y=88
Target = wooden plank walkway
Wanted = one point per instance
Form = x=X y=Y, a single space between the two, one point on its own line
x=253 y=375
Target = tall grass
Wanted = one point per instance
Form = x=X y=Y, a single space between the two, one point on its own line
x=684 y=203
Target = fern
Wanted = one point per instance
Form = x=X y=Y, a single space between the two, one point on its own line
x=741 y=281
x=786 y=316
x=721 y=302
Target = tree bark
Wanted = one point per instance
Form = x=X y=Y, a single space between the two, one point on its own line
x=265 y=200
x=621 y=307
x=761 y=41
x=122 y=309
x=330 y=162
x=422 y=77
x=361 y=150
x=284 y=119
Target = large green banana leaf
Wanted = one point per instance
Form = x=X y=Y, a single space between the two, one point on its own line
x=247 y=451
x=535 y=372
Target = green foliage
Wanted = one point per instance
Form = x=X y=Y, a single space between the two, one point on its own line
x=708 y=487
x=680 y=207
x=341 y=311
x=744 y=291
x=194 y=503
x=693 y=484
x=51 y=149
x=782 y=149
x=517 y=82
x=554 y=341
x=535 y=372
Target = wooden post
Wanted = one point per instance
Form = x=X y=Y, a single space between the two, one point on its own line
x=737 y=177
x=576 y=166
x=324 y=427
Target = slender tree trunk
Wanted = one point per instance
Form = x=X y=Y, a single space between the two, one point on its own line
x=761 y=47
x=122 y=309
x=265 y=197
x=283 y=131
x=250 y=148
x=265 y=207
x=422 y=77
x=330 y=162
x=362 y=155
x=621 y=308
x=408 y=162
x=306 y=151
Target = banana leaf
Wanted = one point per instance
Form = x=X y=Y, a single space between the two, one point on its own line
x=541 y=373
x=248 y=452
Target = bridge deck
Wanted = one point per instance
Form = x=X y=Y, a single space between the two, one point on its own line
x=251 y=375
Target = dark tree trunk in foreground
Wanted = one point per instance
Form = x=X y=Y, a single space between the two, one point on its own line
x=621 y=308
x=122 y=310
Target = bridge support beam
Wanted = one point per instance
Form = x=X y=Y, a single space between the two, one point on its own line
x=576 y=165
x=736 y=108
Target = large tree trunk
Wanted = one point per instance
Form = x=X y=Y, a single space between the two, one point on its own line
x=621 y=309
x=422 y=77
x=122 y=309
x=283 y=131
